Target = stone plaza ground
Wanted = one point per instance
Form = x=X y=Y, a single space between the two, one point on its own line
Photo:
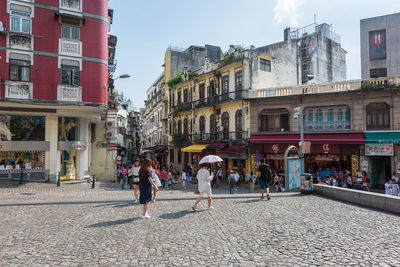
x=74 y=225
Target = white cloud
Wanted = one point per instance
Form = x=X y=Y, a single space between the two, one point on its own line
x=288 y=10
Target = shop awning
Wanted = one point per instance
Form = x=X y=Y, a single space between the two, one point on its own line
x=235 y=149
x=194 y=148
x=343 y=138
x=387 y=137
x=217 y=145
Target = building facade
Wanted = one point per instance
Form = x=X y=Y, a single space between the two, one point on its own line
x=49 y=98
x=380 y=55
x=154 y=142
x=350 y=127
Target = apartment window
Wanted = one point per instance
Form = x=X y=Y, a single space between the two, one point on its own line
x=70 y=32
x=180 y=127
x=326 y=118
x=20 y=22
x=202 y=124
x=376 y=73
x=238 y=80
x=202 y=91
x=179 y=98
x=185 y=96
x=274 y=120
x=378 y=116
x=20 y=70
x=225 y=125
x=265 y=65
x=225 y=88
x=69 y=75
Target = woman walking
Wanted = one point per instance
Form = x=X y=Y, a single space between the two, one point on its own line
x=146 y=182
x=136 y=186
x=204 y=178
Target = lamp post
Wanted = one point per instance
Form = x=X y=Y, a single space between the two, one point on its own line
x=299 y=114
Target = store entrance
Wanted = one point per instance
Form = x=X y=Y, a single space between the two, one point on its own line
x=381 y=169
x=68 y=165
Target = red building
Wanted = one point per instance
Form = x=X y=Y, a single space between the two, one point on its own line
x=53 y=85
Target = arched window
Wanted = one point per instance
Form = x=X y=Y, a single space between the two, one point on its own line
x=202 y=91
x=185 y=128
x=180 y=127
x=202 y=125
x=274 y=120
x=238 y=124
x=212 y=127
x=378 y=116
x=225 y=125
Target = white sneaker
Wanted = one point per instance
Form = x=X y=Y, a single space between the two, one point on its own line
x=211 y=208
x=137 y=201
x=146 y=216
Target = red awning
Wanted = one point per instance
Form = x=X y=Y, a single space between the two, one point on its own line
x=217 y=145
x=343 y=138
x=232 y=150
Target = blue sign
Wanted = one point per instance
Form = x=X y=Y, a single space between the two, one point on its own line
x=294 y=172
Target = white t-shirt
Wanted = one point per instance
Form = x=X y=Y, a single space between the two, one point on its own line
x=183 y=176
x=237 y=176
x=388 y=191
x=135 y=171
x=203 y=178
x=219 y=172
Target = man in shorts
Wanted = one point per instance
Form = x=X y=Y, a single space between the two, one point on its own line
x=265 y=178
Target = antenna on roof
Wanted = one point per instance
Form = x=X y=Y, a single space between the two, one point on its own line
x=315 y=18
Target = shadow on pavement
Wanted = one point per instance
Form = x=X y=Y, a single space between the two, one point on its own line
x=178 y=214
x=126 y=203
x=112 y=223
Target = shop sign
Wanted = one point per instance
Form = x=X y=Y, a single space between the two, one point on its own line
x=119 y=158
x=326 y=148
x=379 y=149
x=71 y=145
x=21 y=146
x=364 y=165
x=294 y=171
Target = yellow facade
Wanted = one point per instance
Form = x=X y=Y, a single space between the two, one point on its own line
x=192 y=106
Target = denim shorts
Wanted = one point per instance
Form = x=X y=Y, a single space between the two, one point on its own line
x=263 y=185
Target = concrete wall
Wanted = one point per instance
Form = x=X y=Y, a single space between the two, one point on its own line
x=368 y=199
x=392 y=25
x=327 y=62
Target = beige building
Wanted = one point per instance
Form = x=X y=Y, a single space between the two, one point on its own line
x=345 y=122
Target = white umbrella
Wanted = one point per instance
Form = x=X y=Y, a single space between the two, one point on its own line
x=210 y=159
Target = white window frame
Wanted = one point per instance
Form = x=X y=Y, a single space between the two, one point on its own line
x=70 y=32
x=71 y=9
x=21 y=18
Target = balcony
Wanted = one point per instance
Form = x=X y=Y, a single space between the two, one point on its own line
x=20 y=41
x=219 y=99
x=70 y=48
x=219 y=136
x=19 y=90
x=73 y=5
x=69 y=93
x=180 y=138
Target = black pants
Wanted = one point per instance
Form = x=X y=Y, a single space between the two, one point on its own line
x=163 y=183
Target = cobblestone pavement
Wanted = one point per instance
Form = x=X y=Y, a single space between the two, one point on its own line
x=42 y=225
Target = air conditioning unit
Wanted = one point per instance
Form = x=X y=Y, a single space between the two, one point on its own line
x=220 y=128
x=111 y=124
x=110 y=134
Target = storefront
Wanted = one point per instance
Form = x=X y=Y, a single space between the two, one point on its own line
x=71 y=159
x=382 y=154
x=197 y=153
x=327 y=151
x=25 y=156
x=235 y=158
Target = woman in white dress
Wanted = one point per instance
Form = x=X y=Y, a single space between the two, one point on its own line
x=204 y=183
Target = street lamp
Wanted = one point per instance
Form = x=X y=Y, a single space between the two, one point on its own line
x=299 y=114
x=122 y=76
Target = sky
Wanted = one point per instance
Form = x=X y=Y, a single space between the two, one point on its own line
x=146 y=28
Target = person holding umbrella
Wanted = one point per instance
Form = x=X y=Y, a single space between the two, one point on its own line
x=204 y=178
